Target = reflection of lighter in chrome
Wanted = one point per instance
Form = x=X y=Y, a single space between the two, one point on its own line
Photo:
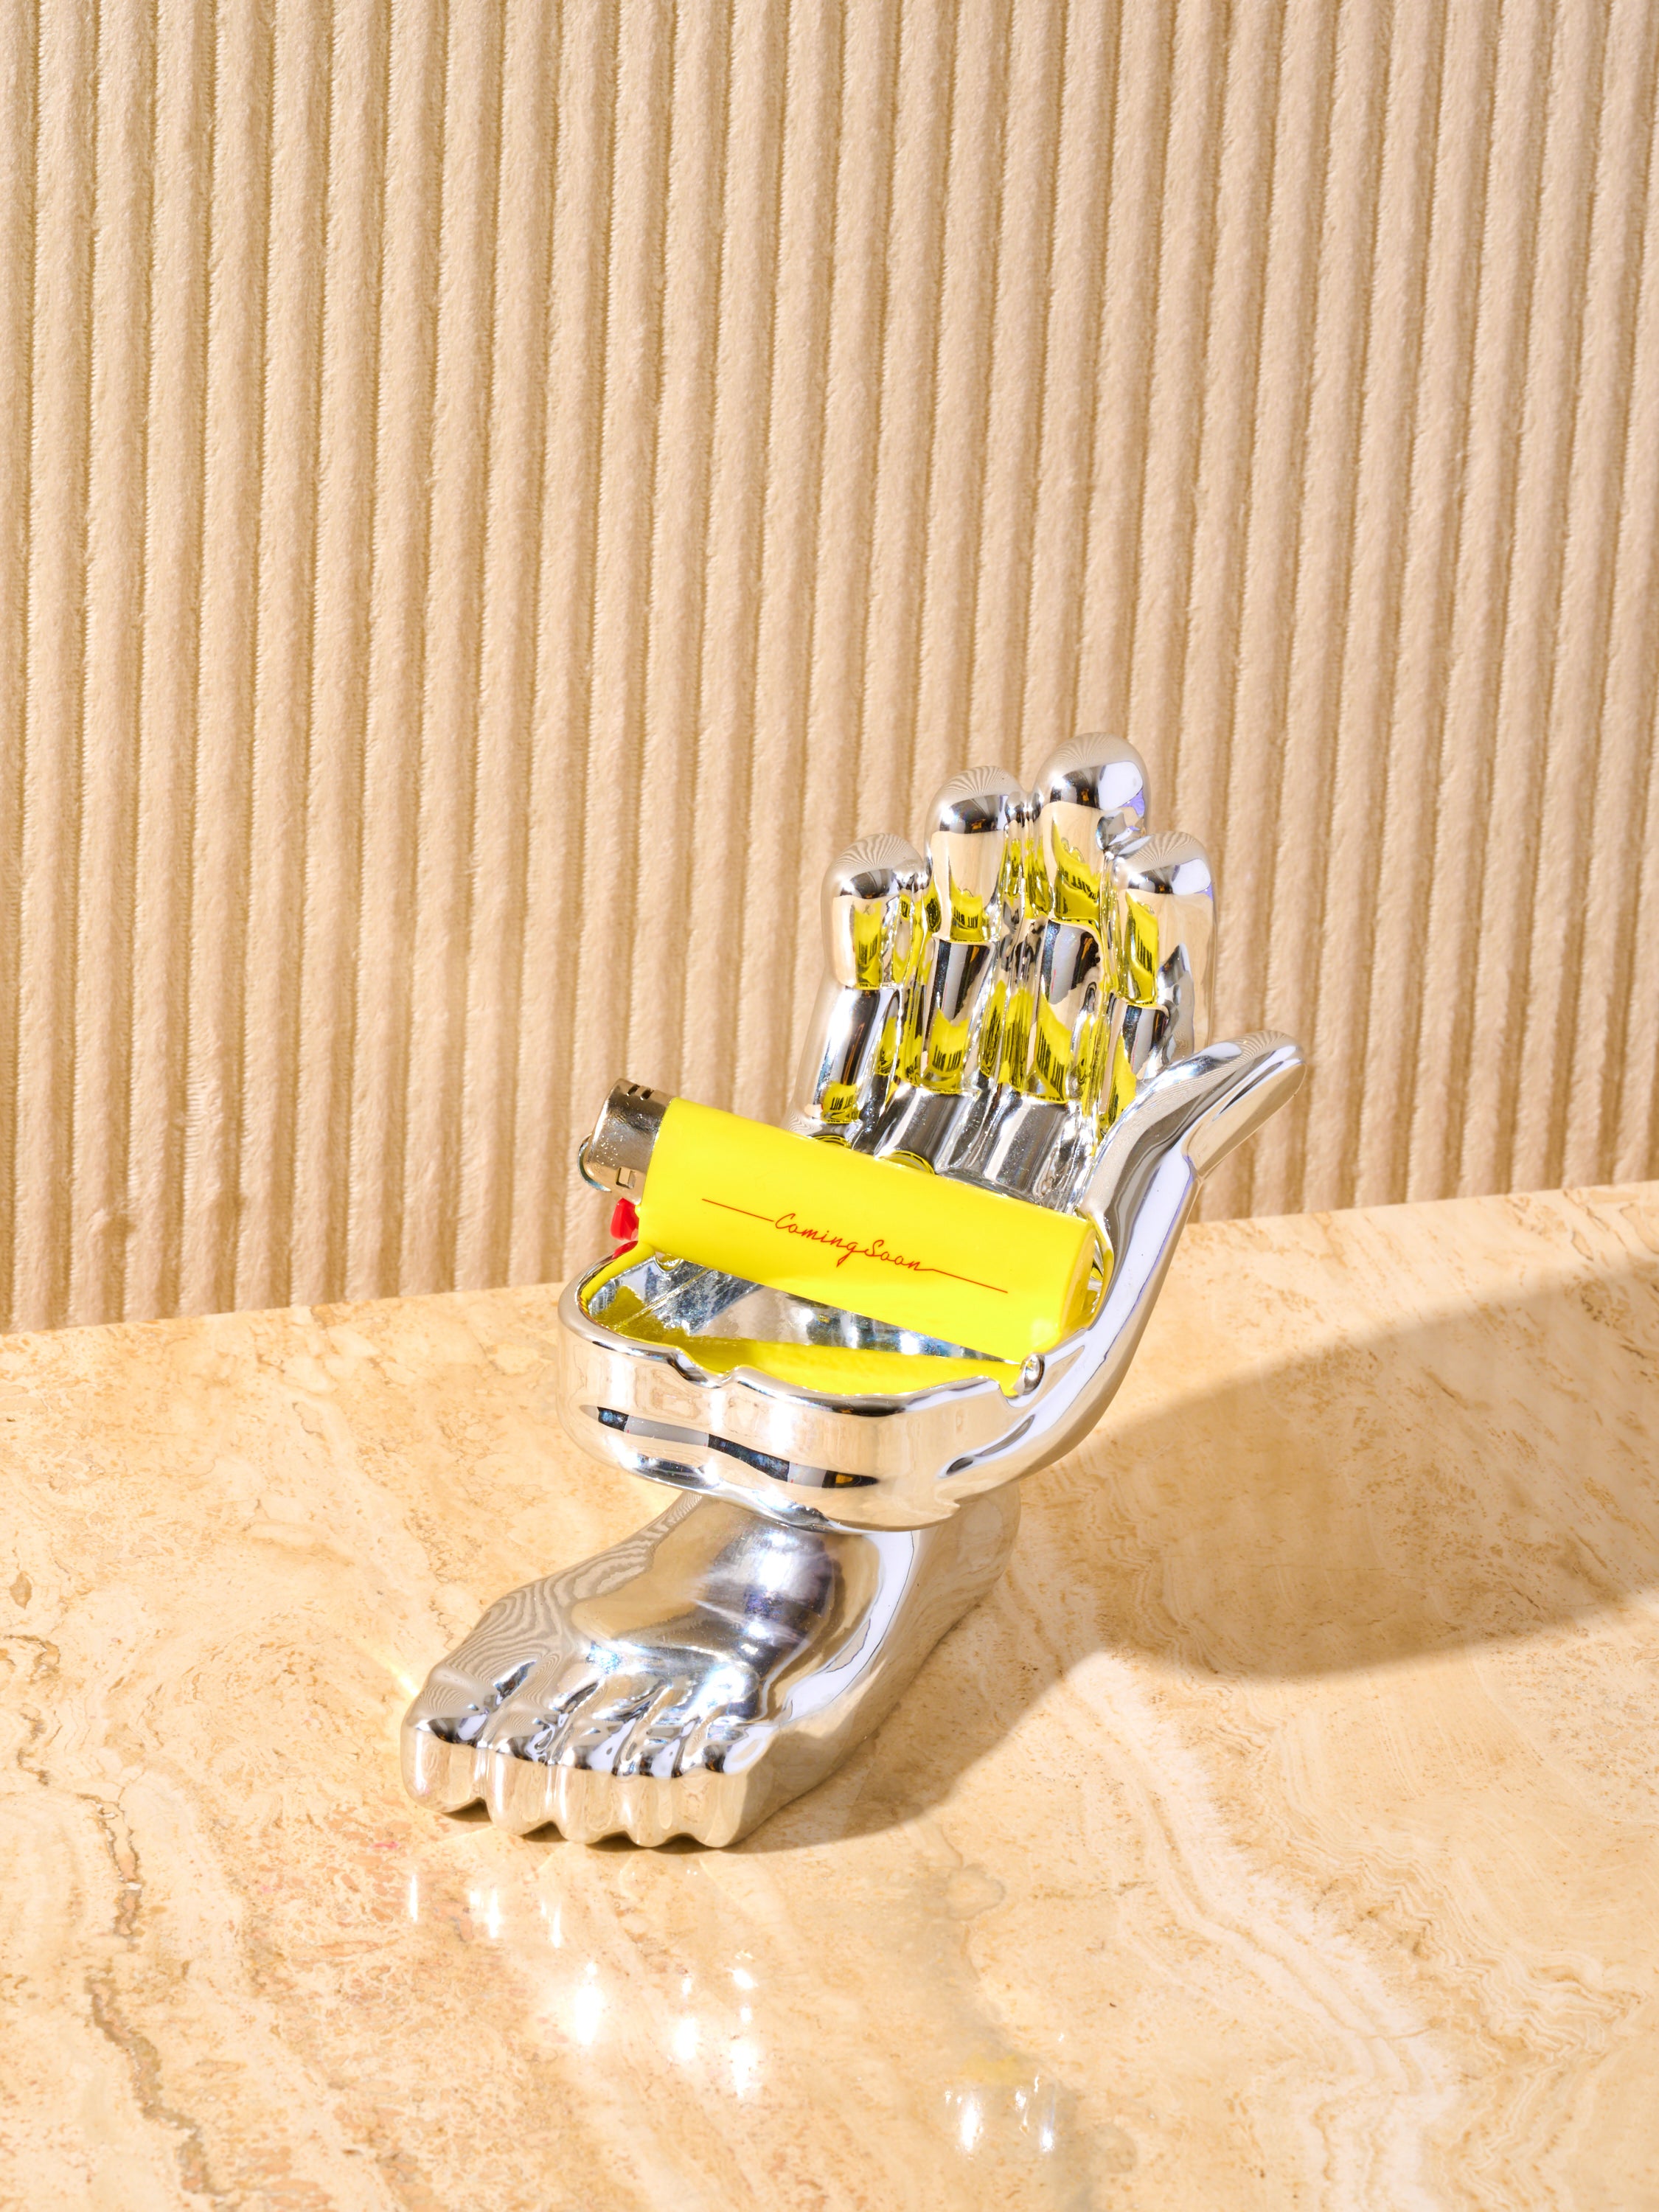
x=1091 y=797
x=1161 y=925
x=870 y=895
x=976 y=853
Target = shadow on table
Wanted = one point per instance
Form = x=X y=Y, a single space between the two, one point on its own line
x=1481 y=1476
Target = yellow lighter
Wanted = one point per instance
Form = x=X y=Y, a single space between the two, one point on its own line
x=878 y=1237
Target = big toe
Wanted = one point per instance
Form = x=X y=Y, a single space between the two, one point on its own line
x=439 y=1741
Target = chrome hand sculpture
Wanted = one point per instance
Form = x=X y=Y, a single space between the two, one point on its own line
x=1025 y=1007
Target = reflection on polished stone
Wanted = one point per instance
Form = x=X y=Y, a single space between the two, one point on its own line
x=1281 y=1831
x=725 y=2021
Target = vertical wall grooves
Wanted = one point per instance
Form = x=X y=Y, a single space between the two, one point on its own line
x=729 y=848
x=929 y=750
x=642 y=840
x=1214 y=683
x=392 y=737
x=1429 y=560
x=772 y=779
x=168 y=702
x=857 y=185
x=1207 y=669
x=880 y=128
x=1173 y=479
x=1016 y=383
x=19 y=186
x=283 y=701
x=1384 y=464
x=1598 y=515
x=803 y=219
x=119 y=1108
x=492 y=499
x=1515 y=826
x=1328 y=539
x=709 y=832
x=451 y=635
x=741 y=815
x=1611 y=1108
x=53 y=709
x=117 y=492
x=1455 y=979
x=242 y=966
x=692 y=248
x=346 y=507
x=628 y=401
x=237 y=404
x=1262 y=779
x=575 y=368
x=507 y=700
x=1354 y=429
x=1070 y=419
x=279 y=1247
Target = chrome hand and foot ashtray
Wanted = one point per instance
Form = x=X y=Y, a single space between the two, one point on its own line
x=1024 y=1009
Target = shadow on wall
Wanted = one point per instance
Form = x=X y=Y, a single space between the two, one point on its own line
x=1483 y=1476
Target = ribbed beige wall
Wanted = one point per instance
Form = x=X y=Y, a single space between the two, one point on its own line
x=491 y=498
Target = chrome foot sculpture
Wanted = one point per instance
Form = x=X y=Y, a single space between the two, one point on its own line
x=697 y=1676
x=1025 y=1007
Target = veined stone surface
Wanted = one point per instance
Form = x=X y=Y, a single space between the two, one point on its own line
x=1284 y=1833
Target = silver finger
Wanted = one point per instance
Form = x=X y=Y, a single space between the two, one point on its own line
x=977 y=851
x=1161 y=934
x=870 y=896
x=1090 y=799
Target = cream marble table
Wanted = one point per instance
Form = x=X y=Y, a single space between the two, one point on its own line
x=1283 y=1833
